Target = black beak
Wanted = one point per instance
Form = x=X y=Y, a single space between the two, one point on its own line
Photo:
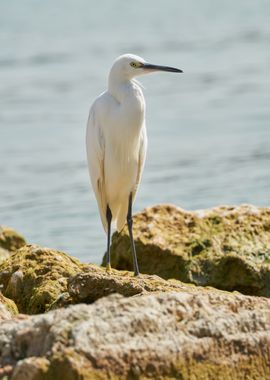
x=149 y=66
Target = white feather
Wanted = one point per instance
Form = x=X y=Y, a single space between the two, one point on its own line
x=116 y=142
x=116 y=139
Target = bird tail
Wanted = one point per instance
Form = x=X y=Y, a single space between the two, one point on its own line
x=121 y=216
x=102 y=205
x=104 y=222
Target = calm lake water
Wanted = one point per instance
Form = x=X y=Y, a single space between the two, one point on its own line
x=208 y=129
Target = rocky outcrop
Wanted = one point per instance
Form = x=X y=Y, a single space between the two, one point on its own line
x=225 y=247
x=117 y=326
x=10 y=241
x=34 y=277
x=41 y=279
x=202 y=335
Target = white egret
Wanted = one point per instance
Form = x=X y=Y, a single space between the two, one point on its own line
x=116 y=144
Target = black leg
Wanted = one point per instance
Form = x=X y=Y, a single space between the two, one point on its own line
x=108 y=255
x=129 y=222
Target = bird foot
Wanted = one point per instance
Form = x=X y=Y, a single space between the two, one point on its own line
x=108 y=268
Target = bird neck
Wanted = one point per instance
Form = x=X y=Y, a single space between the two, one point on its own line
x=124 y=90
x=120 y=87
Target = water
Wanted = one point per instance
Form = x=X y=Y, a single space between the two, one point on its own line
x=209 y=128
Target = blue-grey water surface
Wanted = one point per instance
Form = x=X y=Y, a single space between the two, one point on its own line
x=209 y=128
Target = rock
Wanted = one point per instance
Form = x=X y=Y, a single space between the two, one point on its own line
x=225 y=247
x=6 y=372
x=4 y=254
x=10 y=240
x=33 y=368
x=41 y=279
x=8 y=308
x=35 y=277
x=4 y=314
x=203 y=335
x=95 y=283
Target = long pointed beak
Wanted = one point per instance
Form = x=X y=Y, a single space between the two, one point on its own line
x=149 y=66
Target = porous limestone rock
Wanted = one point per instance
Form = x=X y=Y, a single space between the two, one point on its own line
x=203 y=335
x=34 y=277
x=226 y=247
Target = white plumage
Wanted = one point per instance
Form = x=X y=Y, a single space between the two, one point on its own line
x=116 y=144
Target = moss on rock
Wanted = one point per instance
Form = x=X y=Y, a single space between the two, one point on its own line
x=9 y=305
x=10 y=239
x=35 y=277
x=41 y=279
x=4 y=254
x=226 y=247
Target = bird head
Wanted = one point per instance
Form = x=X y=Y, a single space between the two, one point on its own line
x=129 y=66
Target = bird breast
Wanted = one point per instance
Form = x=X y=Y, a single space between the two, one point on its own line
x=122 y=135
x=131 y=106
x=124 y=119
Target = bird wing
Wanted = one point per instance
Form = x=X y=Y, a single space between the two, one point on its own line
x=122 y=214
x=141 y=160
x=95 y=155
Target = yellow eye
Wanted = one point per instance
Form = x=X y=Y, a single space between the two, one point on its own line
x=133 y=64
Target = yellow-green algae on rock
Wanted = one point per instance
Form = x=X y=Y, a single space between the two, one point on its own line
x=4 y=254
x=9 y=305
x=226 y=247
x=10 y=241
x=34 y=277
x=41 y=279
